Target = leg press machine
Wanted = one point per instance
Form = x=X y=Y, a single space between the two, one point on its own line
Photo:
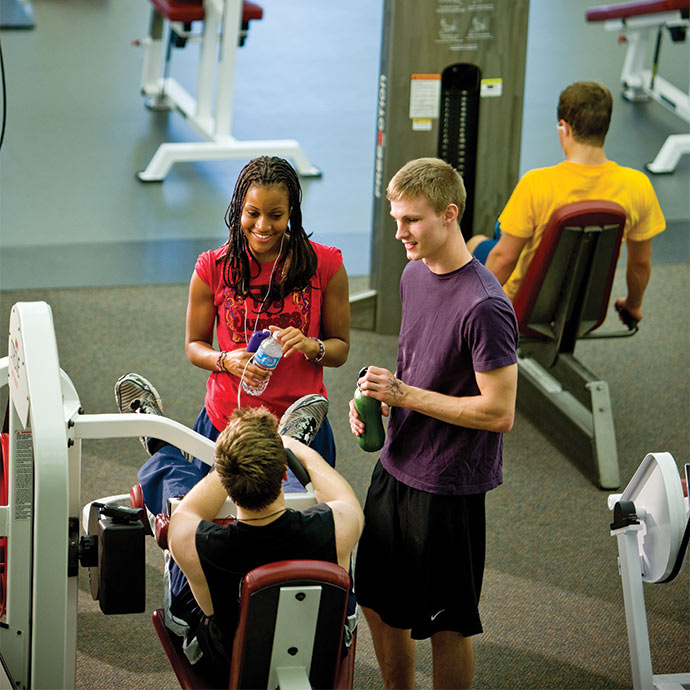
x=42 y=545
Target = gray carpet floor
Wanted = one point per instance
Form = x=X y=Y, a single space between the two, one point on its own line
x=552 y=604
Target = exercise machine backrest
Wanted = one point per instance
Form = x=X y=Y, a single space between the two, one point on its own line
x=290 y=628
x=261 y=599
x=566 y=290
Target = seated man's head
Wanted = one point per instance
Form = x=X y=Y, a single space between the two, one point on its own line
x=250 y=458
x=586 y=106
x=437 y=181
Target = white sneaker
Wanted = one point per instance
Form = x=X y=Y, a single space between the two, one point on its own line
x=304 y=417
x=134 y=393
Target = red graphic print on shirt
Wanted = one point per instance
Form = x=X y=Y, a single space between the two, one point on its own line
x=241 y=314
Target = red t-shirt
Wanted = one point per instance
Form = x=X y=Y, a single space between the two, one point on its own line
x=294 y=376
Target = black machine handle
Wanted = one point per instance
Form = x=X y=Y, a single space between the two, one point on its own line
x=297 y=468
x=124 y=514
x=120 y=513
x=627 y=318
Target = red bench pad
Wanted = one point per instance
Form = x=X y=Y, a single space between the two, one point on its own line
x=193 y=10
x=622 y=10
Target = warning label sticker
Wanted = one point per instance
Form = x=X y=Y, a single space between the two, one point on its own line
x=23 y=475
x=425 y=96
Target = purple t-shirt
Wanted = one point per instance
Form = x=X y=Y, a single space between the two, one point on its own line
x=452 y=325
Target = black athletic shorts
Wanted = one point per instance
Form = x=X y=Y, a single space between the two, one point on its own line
x=420 y=561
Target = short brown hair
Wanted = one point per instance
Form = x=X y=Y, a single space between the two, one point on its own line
x=250 y=458
x=586 y=106
x=432 y=178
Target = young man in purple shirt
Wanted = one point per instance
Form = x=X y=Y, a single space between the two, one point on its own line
x=420 y=561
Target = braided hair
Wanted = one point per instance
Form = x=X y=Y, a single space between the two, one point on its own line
x=299 y=264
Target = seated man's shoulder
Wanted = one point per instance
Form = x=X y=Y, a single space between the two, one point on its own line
x=343 y=512
x=544 y=173
x=317 y=509
x=632 y=174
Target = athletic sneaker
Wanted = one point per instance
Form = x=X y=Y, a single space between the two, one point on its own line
x=303 y=418
x=134 y=393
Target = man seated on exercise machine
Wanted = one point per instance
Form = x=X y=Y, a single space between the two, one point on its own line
x=250 y=467
x=202 y=592
x=584 y=115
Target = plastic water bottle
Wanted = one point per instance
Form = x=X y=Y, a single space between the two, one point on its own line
x=267 y=357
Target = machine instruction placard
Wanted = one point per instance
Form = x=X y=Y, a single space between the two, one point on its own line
x=425 y=96
x=463 y=24
x=425 y=100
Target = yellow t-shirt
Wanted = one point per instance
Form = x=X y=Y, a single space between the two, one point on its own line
x=543 y=190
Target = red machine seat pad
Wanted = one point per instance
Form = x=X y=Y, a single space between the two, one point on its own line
x=193 y=10
x=623 y=10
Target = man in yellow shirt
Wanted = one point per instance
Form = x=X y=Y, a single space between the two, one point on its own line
x=584 y=114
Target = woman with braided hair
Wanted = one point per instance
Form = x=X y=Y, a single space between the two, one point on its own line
x=269 y=274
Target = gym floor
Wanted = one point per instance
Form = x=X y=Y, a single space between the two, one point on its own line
x=74 y=214
x=112 y=257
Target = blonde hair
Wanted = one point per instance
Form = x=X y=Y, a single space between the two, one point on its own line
x=432 y=178
x=250 y=458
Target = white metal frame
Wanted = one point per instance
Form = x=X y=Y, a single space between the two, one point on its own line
x=38 y=633
x=631 y=568
x=642 y=84
x=222 y=24
x=38 y=640
x=290 y=670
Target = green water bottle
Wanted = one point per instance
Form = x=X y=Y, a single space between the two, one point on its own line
x=369 y=411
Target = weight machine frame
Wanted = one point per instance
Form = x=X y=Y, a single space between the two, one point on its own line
x=38 y=631
x=638 y=27
x=649 y=533
x=222 y=21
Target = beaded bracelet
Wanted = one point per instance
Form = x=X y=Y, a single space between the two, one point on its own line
x=220 y=362
x=322 y=352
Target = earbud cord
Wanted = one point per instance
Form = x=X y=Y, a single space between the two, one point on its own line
x=258 y=314
x=268 y=291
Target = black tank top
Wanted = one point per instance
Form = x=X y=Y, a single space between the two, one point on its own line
x=228 y=553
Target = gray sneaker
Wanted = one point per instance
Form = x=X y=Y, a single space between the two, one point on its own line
x=303 y=418
x=134 y=393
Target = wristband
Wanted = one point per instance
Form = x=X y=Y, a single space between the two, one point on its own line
x=322 y=352
x=220 y=362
